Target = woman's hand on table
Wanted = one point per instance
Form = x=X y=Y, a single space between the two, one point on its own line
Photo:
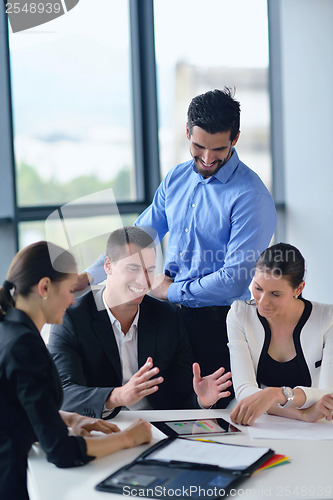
x=250 y=408
x=322 y=409
x=139 y=432
x=83 y=426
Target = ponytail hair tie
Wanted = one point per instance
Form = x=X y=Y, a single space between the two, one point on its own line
x=9 y=287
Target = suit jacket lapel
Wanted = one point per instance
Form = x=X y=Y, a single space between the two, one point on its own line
x=147 y=331
x=104 y=332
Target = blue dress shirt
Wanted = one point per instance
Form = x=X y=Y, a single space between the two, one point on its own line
x=217 y=229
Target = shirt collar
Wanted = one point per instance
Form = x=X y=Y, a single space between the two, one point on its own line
x=113 y=319
x=225 y=172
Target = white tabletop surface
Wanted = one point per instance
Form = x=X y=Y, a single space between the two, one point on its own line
x=309 y=475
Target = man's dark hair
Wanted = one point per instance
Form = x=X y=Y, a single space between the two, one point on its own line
x=215 y=111
x=129 y=235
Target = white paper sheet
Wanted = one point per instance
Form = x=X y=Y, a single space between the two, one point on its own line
x=273 y=427
x=223 y=455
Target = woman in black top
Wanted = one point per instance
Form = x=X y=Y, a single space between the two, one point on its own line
x=38 y=289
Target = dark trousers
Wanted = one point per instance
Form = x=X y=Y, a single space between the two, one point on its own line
x=207 y=330
x=13 y=478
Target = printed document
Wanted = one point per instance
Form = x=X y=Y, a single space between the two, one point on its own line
x=227 y=456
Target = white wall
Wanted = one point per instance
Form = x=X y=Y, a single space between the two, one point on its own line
x=306 y=78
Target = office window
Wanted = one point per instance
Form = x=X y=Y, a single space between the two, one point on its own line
x=76 y=239
x=71 y=89
x=205 y=45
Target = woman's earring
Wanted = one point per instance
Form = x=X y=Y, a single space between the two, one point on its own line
x=45 y=298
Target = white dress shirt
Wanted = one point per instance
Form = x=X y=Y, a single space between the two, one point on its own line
x=128 y=353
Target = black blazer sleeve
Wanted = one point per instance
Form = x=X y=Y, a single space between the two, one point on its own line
x=73 y=348
x=34 y=396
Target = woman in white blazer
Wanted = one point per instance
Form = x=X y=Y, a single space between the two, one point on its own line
x=281 y=345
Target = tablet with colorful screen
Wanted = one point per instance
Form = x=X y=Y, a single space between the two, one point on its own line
x=202 y=427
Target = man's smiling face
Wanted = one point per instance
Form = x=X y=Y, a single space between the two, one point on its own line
x=131 y=277
x=210 y=151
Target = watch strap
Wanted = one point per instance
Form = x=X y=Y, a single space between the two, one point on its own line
x=289 y=394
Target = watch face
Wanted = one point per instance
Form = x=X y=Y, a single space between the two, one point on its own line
x=288 y=392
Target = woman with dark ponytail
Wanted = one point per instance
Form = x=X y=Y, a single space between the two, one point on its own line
x=281 y=345
x=39 y=287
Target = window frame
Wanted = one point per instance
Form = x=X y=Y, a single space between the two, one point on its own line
x=145 y=131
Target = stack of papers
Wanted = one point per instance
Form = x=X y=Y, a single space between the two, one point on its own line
x=273 y=427
x=228 y=456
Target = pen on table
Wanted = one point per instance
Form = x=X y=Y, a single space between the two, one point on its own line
x=205 y=440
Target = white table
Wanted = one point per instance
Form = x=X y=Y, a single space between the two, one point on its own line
x=308 y=476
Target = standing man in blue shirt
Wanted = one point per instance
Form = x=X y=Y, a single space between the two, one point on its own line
x=220 y=217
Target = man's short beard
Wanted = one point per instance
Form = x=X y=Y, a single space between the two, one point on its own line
x=220 y=164
x=207 y=173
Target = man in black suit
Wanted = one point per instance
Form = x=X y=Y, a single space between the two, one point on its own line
x=119 y=347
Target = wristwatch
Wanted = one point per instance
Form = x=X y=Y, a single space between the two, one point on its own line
x=289 y=394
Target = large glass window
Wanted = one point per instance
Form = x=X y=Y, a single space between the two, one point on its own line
x=205 y=45
x=71 y=88
x=72 y=98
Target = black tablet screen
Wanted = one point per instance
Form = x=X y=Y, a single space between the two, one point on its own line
x=196 y=427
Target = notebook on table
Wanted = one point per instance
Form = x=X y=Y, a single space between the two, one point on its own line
x=186 y=469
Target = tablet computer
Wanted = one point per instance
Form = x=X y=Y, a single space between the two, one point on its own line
x=196 y=427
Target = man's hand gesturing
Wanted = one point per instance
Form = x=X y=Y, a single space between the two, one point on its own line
x=139 y=386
